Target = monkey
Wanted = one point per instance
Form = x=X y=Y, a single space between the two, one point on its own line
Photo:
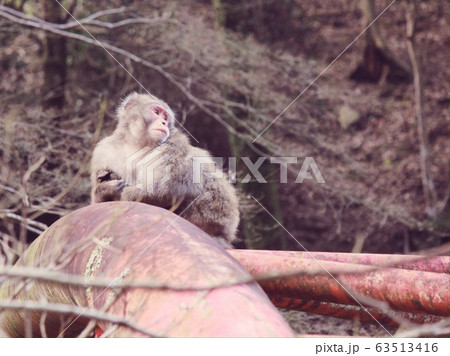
x=147 y=159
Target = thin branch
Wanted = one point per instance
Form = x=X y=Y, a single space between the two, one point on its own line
x=37 y=23
x=91 y=19
x=83 y=167
x=32 y=225
x=9 y=189
x=41 y=274
x=73 y=310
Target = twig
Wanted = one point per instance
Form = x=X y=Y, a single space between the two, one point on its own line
x=33 y=273
x=9 y=189
x=32 y=225
x=73 y=310
x=91 y=19
x=83 y=167
x=37 y=23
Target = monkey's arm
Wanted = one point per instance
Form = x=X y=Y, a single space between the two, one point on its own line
x=132 y=193
x=109 y=187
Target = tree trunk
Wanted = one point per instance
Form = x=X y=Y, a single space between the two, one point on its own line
x=260 y=230
x=379 y=62
x=55 y=59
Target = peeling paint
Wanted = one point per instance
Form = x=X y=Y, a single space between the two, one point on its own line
x=93 y=264
x=113 y=292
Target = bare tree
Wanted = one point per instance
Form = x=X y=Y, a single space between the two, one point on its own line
x=379 y=62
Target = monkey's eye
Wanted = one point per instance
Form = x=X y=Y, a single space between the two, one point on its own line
x=159 y=111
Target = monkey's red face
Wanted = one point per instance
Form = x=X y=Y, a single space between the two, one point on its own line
x=158 y=121
x=144 y=120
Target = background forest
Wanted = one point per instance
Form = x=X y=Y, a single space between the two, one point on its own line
x=371 y=109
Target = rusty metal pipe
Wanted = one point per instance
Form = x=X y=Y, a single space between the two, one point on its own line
x=404 y=290
x=437 y=264
x=354 y=312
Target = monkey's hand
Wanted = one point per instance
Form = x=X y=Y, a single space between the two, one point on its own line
x=105 y=175
x=109 y=190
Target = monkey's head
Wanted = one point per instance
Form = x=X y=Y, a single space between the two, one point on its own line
x=145 y=119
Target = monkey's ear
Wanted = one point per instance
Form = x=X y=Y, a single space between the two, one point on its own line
x=128 y=98
x=126 y=103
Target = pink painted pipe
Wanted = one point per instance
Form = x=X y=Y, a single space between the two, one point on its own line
x=141 y=243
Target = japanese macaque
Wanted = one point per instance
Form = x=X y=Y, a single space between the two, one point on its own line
x=147 y=159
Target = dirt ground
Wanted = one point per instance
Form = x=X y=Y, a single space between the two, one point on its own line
x=311 y=324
